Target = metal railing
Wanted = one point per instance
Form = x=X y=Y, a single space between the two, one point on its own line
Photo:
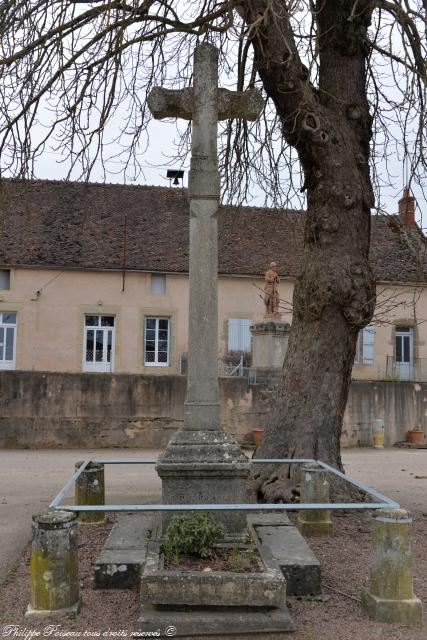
x=416 y=370
x=227 y=366
x=384 y=501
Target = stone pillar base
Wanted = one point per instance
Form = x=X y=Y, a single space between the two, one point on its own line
x=314 y=528
x=69 y=611
x=269 y=344
x=54 y=568
x=205 y=467
x=90 y=489
x=314 y=489
x=390 y=596
x=409 y=612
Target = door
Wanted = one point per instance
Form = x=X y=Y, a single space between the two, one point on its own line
x=98 y=352
x=404 y=353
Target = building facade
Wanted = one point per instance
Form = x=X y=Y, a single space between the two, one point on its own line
x=94 y=278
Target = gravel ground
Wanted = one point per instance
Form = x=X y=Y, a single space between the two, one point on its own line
x=345 y=562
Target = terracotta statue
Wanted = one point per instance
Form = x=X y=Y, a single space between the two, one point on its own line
x=271 y=292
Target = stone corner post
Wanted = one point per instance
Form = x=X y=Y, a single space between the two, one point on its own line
x=90 y=489
x=314 y=489
x=54 y=573
x=390 y=596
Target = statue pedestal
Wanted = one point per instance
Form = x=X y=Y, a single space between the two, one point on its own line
x=269 y=344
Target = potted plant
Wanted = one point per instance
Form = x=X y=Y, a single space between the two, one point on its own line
x=415 y=435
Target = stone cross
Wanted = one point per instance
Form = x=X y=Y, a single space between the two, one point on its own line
x=204 y=104
x=203 y=464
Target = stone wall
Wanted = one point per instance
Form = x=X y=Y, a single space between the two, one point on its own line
x=105 y=410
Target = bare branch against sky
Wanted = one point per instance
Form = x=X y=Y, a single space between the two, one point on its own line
x=75 y=75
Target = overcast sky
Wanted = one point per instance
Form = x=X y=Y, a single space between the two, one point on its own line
x=155 y=164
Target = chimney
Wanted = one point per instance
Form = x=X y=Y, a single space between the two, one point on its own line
x=407 y=208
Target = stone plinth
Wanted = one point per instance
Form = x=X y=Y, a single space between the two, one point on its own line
x=205 y=467
x=269 y=344
x=390 y=596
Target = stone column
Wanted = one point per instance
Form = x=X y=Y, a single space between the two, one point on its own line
x=202 y=409
x=90 y=489
x=314 y=489
x=390 y=596
x=54 y=579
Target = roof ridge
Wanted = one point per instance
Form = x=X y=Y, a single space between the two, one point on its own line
x=35 y=181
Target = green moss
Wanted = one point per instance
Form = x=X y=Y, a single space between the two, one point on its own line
x=54 y=584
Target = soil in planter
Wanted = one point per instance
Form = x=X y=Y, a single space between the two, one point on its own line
x=242 y=561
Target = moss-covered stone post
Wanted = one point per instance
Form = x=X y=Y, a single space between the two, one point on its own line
x=54 y=572
x=314 y=489
x=90 y=489
x=390 y=596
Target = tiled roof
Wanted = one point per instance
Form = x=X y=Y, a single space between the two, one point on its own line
x=79 y=225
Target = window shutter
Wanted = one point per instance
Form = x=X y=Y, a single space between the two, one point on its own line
x=233 y=334
x=239 y=335
x=158 y=283
x=368 y=344
x=245 y=335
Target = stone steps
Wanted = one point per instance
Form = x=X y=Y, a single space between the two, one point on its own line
x=120 y=562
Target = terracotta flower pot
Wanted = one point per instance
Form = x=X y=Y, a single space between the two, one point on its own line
x=257 y=435
x=415 y=436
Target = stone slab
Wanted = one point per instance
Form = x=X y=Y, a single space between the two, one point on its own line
x=298 y=563
x=218 y=622
x=123 y=556
x=269 y=518
x=129 y=532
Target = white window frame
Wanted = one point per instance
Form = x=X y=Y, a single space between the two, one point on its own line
x=104 y=366
x=235 y=335
x=8 y=364
x=365 y=346
x=156 y=362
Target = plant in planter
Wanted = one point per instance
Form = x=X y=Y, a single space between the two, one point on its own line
x=192 y=542
x=194 y=534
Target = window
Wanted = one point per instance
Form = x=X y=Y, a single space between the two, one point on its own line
x=99 y=343
x=158 y=283
x=4 y=278
x=404 y=355
x=365 y=346
x=239 y=335
x=7 y=339
x=156 y=342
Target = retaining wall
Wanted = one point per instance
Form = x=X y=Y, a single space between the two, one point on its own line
x=44 y=409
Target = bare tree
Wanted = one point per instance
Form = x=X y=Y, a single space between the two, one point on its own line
x=345 y=80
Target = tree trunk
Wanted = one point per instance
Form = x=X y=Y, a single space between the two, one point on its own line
x=334 y=297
